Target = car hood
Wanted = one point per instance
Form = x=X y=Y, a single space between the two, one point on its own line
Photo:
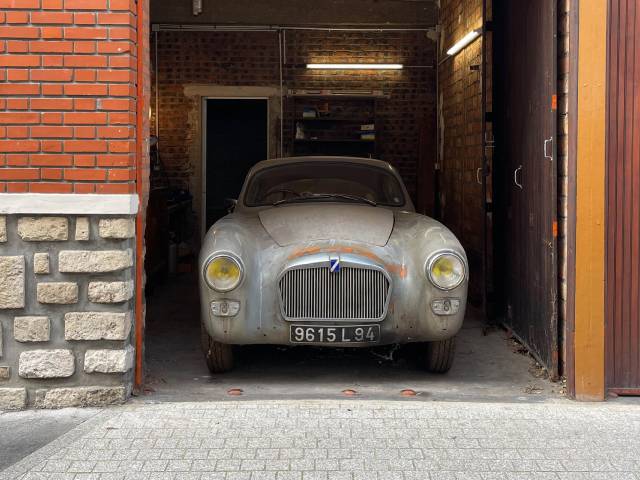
x=290 y=224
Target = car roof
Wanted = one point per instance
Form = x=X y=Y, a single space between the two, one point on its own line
x=317 y=159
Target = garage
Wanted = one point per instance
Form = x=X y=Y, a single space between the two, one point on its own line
x=232 y=84
x=128 y=127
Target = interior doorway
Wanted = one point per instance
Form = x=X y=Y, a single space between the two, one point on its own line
x=235 y=137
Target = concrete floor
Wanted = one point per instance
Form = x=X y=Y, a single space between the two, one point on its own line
x=487 y=365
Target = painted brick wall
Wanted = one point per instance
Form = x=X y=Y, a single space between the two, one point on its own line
x=252 y=59
x=67 y=96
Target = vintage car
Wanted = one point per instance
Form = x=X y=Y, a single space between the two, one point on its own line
x=329 y=251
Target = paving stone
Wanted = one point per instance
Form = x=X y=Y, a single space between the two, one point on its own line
x=117 y=228
x=12 y=269
x=57 y=292
x=41 y=263
x=80 y=397
x=13 y=398
x=110 y=292
x=43 y=229
x=97 y=325
x=45 y=363
x=5 y=372
x=31 y=329
x=354 y=440
x=82 y=233
x=3 y=229
x=108 y=361
x=94 y=261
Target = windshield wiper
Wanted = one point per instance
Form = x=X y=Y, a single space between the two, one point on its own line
x=315 y=196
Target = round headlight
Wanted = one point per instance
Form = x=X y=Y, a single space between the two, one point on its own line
x=223 y=273
x=446 y=271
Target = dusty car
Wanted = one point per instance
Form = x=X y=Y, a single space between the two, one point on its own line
x=329 y=251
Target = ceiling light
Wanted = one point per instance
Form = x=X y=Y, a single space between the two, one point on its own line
x=464 y=41
x=355 y=66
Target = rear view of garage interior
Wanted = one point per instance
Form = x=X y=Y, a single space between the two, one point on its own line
x=232 y=84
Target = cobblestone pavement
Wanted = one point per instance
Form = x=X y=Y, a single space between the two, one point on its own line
x=346 y=440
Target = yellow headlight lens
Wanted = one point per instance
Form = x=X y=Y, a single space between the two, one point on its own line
x=223 y=273
x=446 y=271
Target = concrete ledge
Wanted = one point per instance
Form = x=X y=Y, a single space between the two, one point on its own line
x=68 y=203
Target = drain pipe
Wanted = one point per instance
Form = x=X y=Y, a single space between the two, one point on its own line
x=281 y=62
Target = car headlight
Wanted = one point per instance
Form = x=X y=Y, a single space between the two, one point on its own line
x=223 y=273
x=446 y=270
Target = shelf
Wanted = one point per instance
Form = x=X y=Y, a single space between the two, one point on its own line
x=344 y=94
x=337 y=140
x=345 y=120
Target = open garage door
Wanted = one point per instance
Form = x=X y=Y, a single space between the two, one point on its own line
x=526 y=34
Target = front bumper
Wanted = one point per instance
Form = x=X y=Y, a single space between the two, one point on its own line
x=259 y=320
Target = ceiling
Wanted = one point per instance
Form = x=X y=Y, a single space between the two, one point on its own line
x=298 y=12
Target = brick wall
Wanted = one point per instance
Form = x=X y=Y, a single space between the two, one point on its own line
x=252 y=59
x=460 y=132
x=67 y=96
x=68 y=102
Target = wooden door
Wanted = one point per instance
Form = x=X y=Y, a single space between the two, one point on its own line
x=623 y=199
x=531 y=175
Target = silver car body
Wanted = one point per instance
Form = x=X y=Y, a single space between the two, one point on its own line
x=269 y=241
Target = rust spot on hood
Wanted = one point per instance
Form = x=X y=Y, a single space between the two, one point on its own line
x=394 y=268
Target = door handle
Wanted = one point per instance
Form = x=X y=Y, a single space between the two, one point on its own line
x=478 y=179
x=515 y=177
x=547 y=142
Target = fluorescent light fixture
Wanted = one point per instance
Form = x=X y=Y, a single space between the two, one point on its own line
x=355 y=66
x=464 y=41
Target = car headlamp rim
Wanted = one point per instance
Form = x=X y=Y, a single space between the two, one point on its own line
x=234 y=258
x=434 y=258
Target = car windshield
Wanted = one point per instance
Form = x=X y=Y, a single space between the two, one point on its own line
x=326 y=181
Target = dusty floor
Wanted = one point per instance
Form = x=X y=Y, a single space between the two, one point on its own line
x=487 y=365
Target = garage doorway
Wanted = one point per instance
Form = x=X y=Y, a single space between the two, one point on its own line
x=200 y=94
x=235 y=137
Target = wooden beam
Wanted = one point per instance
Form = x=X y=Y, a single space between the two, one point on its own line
x=590 y=158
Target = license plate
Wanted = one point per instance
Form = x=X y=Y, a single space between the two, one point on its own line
x=343 y=334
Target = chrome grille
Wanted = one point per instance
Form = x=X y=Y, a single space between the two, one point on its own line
x=315 y=293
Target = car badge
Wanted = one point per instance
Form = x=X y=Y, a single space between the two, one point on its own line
x=334 y=265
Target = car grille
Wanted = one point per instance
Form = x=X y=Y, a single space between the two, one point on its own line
x=315 y=293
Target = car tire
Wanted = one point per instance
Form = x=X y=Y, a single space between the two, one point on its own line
x=219 y=356
x=438 y=356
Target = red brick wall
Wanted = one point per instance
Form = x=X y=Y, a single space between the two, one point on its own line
x=252 y=59
x=67 y=96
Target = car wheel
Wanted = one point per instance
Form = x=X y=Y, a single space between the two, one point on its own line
x=219 y=356
x=438 y=356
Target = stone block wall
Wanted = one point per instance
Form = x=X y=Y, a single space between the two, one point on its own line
x=66 y=310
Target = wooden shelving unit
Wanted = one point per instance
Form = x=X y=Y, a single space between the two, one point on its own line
x=335 y=123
